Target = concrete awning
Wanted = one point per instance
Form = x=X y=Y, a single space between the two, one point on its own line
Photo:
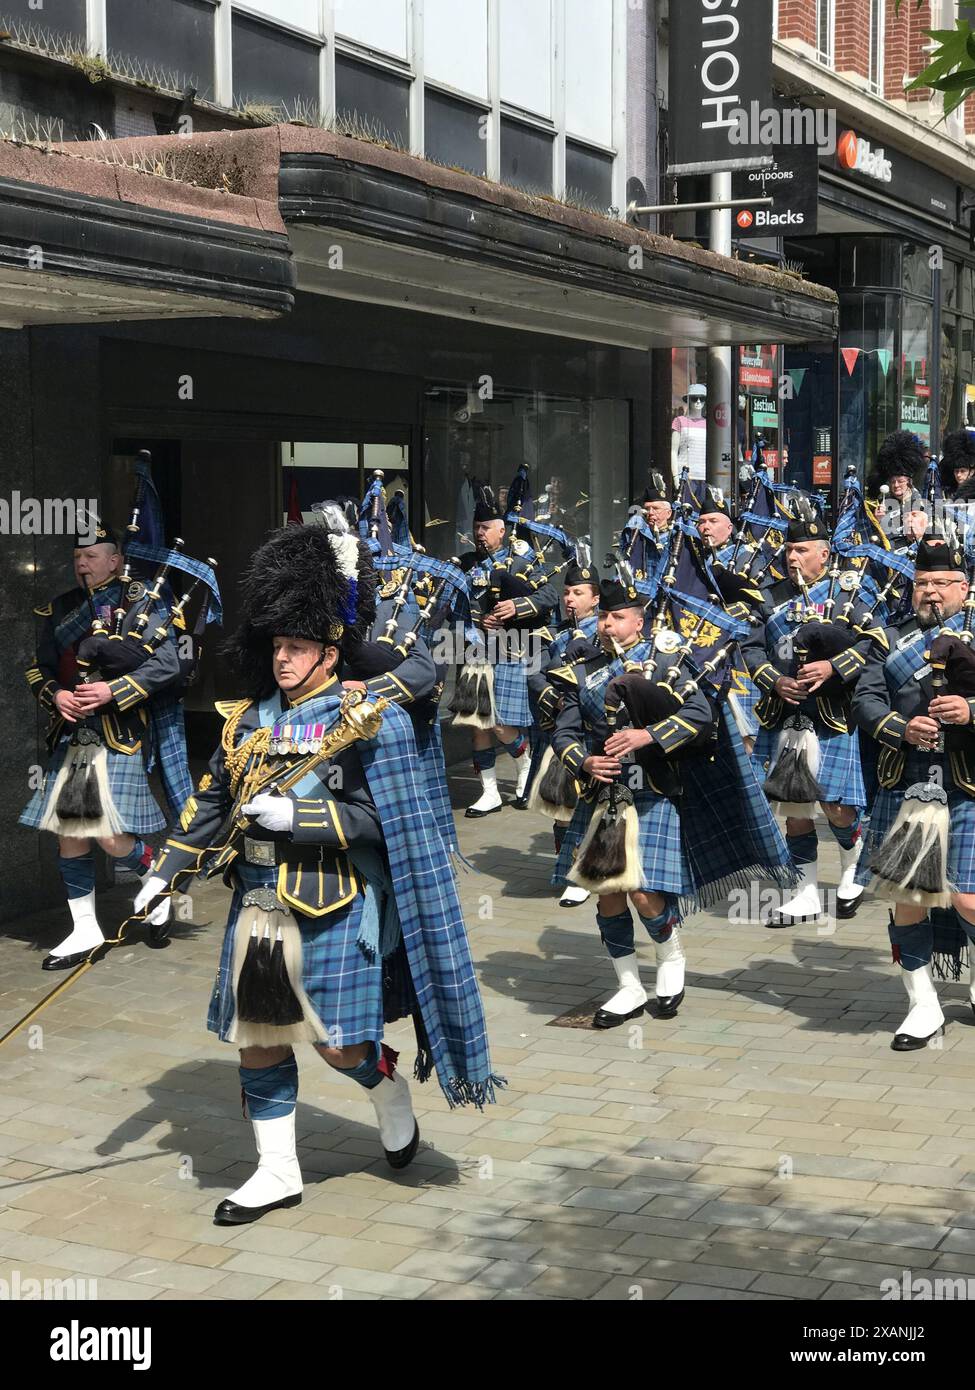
x=360 y=222
x=82 y=240
x=417 y=236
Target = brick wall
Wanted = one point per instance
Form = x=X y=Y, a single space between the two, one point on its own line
x=797 y=20
x=851 y=46
x=917 y=56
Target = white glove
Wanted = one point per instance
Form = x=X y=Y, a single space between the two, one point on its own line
x=150 y=888
x=273 y=812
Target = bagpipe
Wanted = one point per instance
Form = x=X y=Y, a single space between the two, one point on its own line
x=609 y=856
x=81 y=801
x=912 y=861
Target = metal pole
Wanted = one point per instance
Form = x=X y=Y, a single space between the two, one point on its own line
x=719 y=461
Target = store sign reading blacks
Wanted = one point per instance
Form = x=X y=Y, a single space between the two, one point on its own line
x=793 y=184
x=720 y=62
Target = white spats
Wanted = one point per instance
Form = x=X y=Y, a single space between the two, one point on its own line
x=524 y=764
x=670 y=966
x=490 y=798
x=573 y=896
x=394 y=1112
x=925 y=1017
x=278 y=1176
x=631 y=996
x=803 y=905
x=848 y=890
x=87 y=934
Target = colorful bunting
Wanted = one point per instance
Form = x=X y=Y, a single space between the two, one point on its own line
x=850 y=356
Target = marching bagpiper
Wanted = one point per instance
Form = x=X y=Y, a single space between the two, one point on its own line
x=805 y=660
x=917 y=701
x=108 y=672
x=678 y=827
x=345 y=912
x=553 y=792
x=895 y=484
x=512 y=597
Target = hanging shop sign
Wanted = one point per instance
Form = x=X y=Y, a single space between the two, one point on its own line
x=793 y=184
x=720 y=63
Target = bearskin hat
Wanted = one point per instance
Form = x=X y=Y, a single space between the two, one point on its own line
x=957 y=451
x=899 y=456
x=303 y=582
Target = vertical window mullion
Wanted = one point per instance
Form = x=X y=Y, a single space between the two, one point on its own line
x=97 y=41
x=326 y=76
x=223 y=55
x=558 y=97
x=415 y=45
x=493 y=126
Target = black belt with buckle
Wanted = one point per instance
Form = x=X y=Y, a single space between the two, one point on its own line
x=270 y=853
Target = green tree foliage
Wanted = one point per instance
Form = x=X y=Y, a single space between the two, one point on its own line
x=952 y=67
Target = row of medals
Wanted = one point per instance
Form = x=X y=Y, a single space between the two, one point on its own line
x=295 y=738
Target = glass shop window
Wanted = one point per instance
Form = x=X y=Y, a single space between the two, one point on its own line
x=588 y=176
x=274 y=68
x=454 y=132
x=577 y=453
x=372 y=102
x=526 y=157
x=169 y=42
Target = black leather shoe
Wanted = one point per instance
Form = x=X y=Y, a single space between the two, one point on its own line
x=520 y=803
x=159 y=935
x=782 y=919
x=847 y=907
x=400 y=1158
x=602 y=1019
x=668 y=1004
x=65 y=962
x=228 y=1213
x=904 y=1042
x=471 y=814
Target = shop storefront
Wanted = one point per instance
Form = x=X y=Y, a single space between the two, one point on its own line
x=891 y=244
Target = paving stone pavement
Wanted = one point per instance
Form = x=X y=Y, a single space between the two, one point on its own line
x=766 y=1144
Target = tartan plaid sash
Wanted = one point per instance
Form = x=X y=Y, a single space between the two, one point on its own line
x=904 y=661
x=424 y=893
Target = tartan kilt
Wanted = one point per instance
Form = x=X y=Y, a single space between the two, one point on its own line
x=744 y=708
x=840 y=774
x=961 y=835
x=344 y=988
x=134 y=801
x=665 y=864
x=511 y=695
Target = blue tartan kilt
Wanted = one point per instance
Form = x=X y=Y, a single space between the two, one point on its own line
x=961 y=836
x=665 y=865
x=137 y=807
x=745 y=707
x=511 y=695
x=840 y=774
x=345 y=989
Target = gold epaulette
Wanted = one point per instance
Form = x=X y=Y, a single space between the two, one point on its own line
x=562 y=673
x=226 y=708
x=231 y=710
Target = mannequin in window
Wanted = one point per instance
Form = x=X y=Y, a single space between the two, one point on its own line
x=689 y=444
